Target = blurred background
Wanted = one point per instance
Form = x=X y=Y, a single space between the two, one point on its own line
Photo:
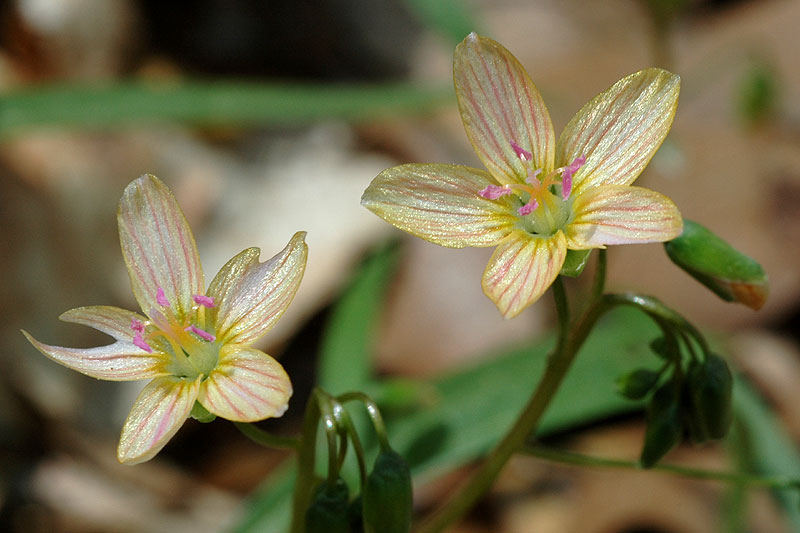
x=266 y=118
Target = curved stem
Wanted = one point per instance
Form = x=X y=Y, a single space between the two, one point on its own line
x=571 y=458
x=374 y=415
x=266 y=439
x=559 y=362
x=344 y=421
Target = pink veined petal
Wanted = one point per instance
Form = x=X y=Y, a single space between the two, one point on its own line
x=158 y=247
x=521 y=270
x=442 y=204
x=502 y=110
x=120 y=361
x=158 y=413
x=620 y=129
x=251 y=296
x=246 y=386
x=620 y=214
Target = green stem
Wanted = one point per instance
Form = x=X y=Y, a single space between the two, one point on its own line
x=344 y=421
x=374 y=415
x=560 y=456
x=559 y=362
x=266 y=439
x=306 y=459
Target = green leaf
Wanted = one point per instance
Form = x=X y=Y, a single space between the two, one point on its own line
x=768 y=449
x=575 y=262
x=450 y=18
x=209 y=103
x=345 y=362
x=730 y=274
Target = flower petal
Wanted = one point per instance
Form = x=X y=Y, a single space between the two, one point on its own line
x=251 y=296
x=620 y=129
x=158 y=413
x=158 y=247
x=246 y=386
x=441 y=204
x=502 y=110
x=620 y=214
x=521 y=270
x=120 y=361
x=111 y=320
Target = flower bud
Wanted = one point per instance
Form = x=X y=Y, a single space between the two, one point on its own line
x=387 y=495
x=709 y=387
x=636 y=384
x=663 y=425
x=730 y=274
x=328 y=510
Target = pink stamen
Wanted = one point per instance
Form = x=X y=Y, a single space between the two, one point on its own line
x=521 y=152
x=137 y=325
x=138 y=341
x=528 y=208
x=161 y=298
x=569 y=171
x=205 y=301
x=206 y=336
x=533 y=176
x=493 y=192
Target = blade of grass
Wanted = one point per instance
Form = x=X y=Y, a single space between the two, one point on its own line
x=208 y=103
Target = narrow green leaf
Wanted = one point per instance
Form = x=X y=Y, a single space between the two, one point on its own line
x=450 y=18
x=208 y=103
x=345 y=362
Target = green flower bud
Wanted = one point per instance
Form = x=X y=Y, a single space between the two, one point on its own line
x=709 y=388
x=661 y=348
x=636 y=384
x=575 y=262
x=730 y=274
x=328 y=511
x=663 y=425
x=387 y=497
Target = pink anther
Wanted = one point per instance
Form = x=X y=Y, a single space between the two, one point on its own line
x=569 y=171
x=521 y=152
x=205 y=301
x=493 y=192
x=161 y=298
x=528 y=208
x=206 y=336
x=139 y=342
x=137 y=325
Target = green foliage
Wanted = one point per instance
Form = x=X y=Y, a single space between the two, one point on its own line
x=450 y=18
x=758 y=94
x=345 y=361
x=730 y=274
x=211 y=103
x=468 y=411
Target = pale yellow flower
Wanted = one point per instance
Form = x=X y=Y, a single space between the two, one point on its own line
x=194 y=344
x=540 y=197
